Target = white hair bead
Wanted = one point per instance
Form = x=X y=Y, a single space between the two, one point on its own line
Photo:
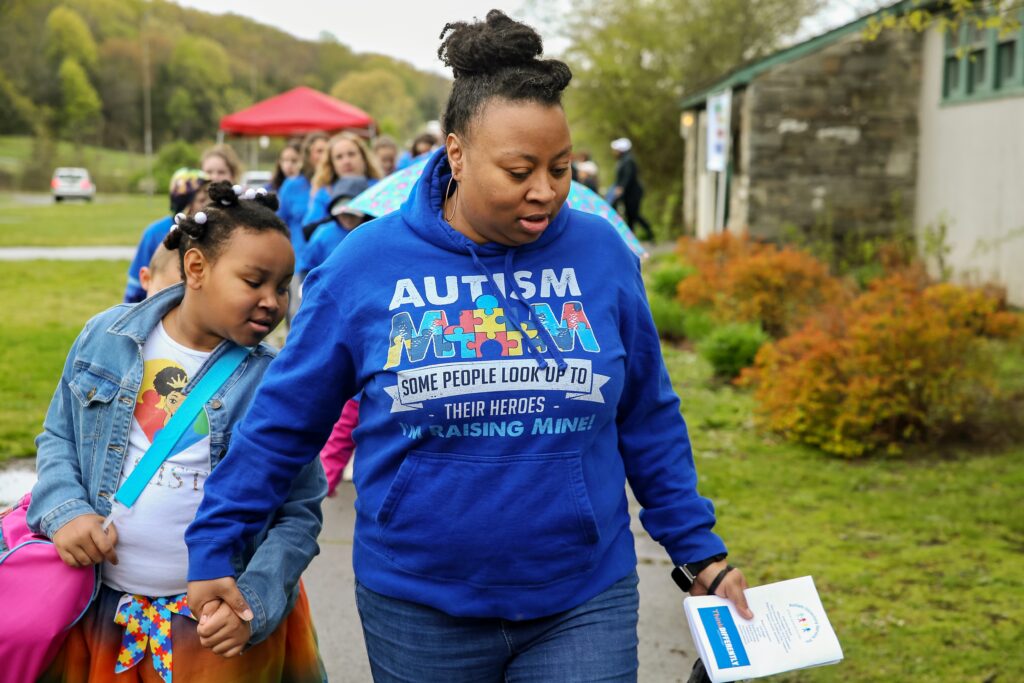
x=250 y=194
x=179 y=217
x=261 y=191
x=237 y=189
x=200 y=218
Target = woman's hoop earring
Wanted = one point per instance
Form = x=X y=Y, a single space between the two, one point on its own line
x=447 y=193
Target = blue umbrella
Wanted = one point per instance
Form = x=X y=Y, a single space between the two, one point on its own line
x=391 y=192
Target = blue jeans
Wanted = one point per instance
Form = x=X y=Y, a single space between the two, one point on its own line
x=597 y=641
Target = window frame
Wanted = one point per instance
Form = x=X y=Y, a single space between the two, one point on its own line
x=991 y=85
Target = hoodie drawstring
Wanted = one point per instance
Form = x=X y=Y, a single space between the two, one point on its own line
x=553 y=351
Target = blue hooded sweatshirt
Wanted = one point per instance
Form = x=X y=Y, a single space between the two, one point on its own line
x=508 y=396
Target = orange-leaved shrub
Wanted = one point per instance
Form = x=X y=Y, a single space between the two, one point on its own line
x=742 y=280
x=902 y=364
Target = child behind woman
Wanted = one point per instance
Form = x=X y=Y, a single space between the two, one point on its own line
x=127 y=373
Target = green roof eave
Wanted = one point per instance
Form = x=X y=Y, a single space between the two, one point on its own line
x=746 y=73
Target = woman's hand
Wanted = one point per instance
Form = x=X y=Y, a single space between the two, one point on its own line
x=731 y=588
x=82 y=542
x=223 y=590
x=221 y=630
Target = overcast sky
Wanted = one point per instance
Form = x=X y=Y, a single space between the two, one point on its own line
x=409 y=29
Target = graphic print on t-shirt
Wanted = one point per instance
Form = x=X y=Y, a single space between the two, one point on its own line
x=163 y=384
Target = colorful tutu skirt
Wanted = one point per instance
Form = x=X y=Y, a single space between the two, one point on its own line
x=99 y=647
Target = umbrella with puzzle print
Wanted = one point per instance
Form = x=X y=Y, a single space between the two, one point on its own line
x=388 y=195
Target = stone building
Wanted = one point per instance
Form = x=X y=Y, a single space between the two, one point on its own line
x=840 y=133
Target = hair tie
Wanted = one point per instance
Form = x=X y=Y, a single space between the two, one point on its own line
x=200 y=218
x=178 y=218
x=250 y=194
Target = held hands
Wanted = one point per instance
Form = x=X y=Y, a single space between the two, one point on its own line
x=221 y=630
x=223 y=614
x=731 y=588
x=82 y=542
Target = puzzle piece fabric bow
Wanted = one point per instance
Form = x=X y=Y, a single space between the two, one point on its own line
x=148 y=621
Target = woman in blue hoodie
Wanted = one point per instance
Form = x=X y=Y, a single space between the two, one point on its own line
x=512 y=384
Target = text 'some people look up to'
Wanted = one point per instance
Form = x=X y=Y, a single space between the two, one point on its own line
x=512 y=383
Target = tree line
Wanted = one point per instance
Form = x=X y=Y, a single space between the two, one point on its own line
x=77 y=70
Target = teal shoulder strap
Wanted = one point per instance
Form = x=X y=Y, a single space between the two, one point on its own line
x=168 y=437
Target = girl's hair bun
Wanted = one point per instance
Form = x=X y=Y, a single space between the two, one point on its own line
x=229 y=209
x=267 y=199
x=488 y=46
x=222 y=193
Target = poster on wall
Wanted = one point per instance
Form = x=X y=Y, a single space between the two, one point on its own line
x=719 y=116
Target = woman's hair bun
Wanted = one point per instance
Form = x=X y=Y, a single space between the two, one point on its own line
x=487 y=46
x=222 y=193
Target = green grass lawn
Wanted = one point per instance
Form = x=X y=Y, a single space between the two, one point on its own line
x=48 y=302
x=110 y=220
x=918 y=560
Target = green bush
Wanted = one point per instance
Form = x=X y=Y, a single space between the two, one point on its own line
x=669 y=317
x=697 y=323
x=665 y=281
x=169 y=159
x=732 y=347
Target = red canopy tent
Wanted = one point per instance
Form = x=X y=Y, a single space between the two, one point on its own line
x=300 y=110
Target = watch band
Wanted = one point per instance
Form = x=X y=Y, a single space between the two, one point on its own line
x=685 y=575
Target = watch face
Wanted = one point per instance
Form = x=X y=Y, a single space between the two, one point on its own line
x=679 y=575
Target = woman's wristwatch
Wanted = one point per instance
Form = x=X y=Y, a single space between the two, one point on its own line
x=686 y=574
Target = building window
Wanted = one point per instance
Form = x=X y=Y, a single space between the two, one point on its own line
x=1006 y=63
x=982 y=63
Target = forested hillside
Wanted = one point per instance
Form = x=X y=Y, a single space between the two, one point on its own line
x=76 y=70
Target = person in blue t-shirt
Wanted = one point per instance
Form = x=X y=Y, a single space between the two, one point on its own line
x=187 y=191
x=294 y=194
x=294 y=199
x=512 y=385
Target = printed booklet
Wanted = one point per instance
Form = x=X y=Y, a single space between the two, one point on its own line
x=789 y=631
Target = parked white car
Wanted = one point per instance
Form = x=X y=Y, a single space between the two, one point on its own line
x=256 y=179
x=72 y=183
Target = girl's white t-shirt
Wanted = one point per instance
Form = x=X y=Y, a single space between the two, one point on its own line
x=151 y=552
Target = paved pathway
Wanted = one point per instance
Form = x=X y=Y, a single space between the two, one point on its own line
x=103 y=253
x=666 y=650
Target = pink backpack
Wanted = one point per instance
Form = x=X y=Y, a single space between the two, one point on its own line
x=41 y=598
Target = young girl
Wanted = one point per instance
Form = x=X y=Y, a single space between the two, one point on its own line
x=289 y=164
x=220 y=162
x=294 y=198
x=126 y=374
x=295 y=191
x=347 y=156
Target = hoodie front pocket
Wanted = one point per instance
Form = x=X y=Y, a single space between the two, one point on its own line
x=513 y=520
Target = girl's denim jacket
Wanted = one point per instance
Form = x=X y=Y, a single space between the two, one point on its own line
x=85 y=438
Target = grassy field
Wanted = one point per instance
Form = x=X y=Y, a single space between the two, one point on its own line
x=917 y=560
x=107 y=166
x=36 y=221
x=48 y=302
